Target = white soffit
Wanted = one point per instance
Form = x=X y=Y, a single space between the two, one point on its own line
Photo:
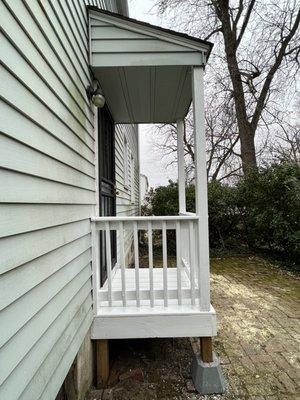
x=144 y=70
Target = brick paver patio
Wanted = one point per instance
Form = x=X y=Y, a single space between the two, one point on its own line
x=258 y=343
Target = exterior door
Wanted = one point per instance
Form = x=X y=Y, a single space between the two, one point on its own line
x=107 y=191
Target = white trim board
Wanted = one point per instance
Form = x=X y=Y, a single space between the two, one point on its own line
x=173 y=321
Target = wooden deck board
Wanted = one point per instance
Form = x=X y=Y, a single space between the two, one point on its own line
x=185 y=320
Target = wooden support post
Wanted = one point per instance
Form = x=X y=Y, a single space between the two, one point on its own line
x=206 y=352
x=201 y=187
x=102 y=363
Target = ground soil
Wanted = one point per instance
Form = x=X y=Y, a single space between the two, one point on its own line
x=258 y=342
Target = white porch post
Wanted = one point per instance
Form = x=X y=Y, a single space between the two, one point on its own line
x=181 y=169
x=201 y=187
x=184 y=250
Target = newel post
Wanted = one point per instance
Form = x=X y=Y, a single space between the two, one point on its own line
x=201 y=186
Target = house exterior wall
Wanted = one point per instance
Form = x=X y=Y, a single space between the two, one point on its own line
x=127 y=202
x=47 y=192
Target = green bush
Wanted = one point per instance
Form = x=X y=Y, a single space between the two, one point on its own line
x=262 y=210
x=223 y=217
x=269 y=208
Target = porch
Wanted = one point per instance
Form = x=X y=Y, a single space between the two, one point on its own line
x=152 y=75
x=152 y=301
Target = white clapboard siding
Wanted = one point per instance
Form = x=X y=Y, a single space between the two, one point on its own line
x=38 y=270
x=47 y=192
x=33 y=135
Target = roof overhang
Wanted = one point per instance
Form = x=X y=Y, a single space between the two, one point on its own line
x=144 y=70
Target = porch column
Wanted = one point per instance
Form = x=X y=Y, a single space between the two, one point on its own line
x=201 y=186
x=181 y=169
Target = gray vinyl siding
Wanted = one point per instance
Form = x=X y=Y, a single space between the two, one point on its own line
x=47 y=193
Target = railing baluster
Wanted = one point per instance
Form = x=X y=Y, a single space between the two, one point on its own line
x=122 y=259
x=150 y=251
x=165 y=262
x=108 y=261
x=178 y=259
x=192 y=260
x=136 y=262
x=198 y=264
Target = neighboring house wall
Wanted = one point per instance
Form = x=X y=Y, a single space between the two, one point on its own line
x=47 y=193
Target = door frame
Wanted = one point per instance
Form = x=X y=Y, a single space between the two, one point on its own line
x=102 y=274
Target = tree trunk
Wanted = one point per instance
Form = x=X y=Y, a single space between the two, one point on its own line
x=247 y=150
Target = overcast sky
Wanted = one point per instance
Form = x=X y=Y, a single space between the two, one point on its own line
x=150 y=160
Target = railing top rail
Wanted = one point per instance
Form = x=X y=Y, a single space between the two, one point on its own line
x=146 y=218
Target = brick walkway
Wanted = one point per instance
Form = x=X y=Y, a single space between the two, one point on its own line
x=258 y=342
x=258 y=311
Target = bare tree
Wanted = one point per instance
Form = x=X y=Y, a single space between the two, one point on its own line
x=223 y=160
x=256 y=57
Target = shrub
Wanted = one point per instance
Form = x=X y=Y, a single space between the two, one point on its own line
x=269 y=207
x=262 y=210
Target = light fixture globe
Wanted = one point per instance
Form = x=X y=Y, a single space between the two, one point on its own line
x=98 y=99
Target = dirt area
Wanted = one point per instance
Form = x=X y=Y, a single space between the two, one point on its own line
x=258 y=308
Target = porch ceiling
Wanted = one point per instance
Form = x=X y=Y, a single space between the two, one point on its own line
x=144 y=71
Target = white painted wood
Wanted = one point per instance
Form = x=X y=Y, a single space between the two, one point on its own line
x=178 y=257
x=152 y=31
x=18 y=95
x=169 y=322
x=23 y=188
x=47 y=193
x=108 y=263
x=36 y=137
x=154 y=218
x=34 y=45
x=122 y=285
x=95 y=267
x=32 y=245
x=34 y=272
x=21 y=218
x=122 y=261
x=96 y=162
x=192 y=260
x=146 y=92
x=34 y=163
x=12 y=57
x=136 y=262
x=133 y=46
x=27 y=307
x=57 y=378
x=181 y=167
x=38 y=328
x=201 y=186
x=112 y=32
x=144 y=295
x=150 y=257
x=165 y=262
x=61 y=331
x=145 y=59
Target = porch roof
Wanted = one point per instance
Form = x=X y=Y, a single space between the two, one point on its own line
x=144 y=70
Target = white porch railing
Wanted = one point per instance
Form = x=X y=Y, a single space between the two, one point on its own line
x=151 y=286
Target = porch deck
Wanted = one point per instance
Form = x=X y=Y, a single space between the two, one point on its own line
x=156 y=301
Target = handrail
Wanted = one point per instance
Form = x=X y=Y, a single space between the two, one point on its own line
x=146 y=218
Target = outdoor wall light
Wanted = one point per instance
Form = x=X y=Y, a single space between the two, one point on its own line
x=95 y=94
